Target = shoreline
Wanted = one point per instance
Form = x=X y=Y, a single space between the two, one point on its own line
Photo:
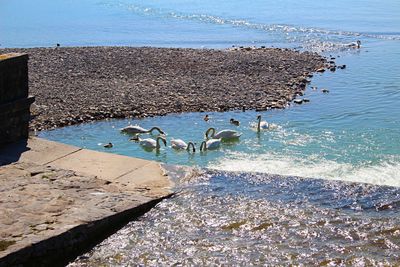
x=81 y=84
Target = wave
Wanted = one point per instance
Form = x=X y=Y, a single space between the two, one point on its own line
x=385 y=172
x=279 y=28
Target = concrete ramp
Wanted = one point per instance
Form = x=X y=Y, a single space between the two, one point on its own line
x=57 y=200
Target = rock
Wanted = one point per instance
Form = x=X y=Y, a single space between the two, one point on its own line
x=320 y=70
x=298 y=101
x=122 y=82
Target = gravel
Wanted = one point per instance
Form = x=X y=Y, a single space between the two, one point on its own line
x=79 y=84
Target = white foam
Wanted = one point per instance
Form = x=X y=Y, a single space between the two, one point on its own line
x=282 y=28
x=387 y=172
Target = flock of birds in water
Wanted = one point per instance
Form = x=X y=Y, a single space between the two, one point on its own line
x=212 y=140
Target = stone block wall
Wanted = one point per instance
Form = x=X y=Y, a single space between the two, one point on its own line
x=14 y=98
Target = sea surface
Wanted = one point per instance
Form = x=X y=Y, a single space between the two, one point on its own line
x=249 y=206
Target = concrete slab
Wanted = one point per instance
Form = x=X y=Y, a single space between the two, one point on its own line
x=35 y=150
x=103 y=165
x=66 y=199
x=146 y=177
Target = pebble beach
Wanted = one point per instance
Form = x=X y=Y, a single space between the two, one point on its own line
x=80 y=84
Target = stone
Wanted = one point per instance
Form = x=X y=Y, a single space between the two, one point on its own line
x=109 y=85
x=58 y=216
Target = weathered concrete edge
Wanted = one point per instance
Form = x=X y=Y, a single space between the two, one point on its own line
x=67 y=246
x=79 y=239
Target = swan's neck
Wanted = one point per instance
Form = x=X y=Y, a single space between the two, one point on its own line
x=212 y=130
x=154 y=128
x=203 y=146
x=259 y=124
x=158 y=143
x=192 y=145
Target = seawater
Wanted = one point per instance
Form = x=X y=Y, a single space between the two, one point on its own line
x=350 y=134
x=250 y=207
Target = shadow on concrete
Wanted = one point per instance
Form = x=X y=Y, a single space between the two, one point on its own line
x=12 y=152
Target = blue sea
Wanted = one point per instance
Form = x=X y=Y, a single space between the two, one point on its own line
x=248 y=207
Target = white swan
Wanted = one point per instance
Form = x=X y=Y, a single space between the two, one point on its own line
x=136 y=129
x=261 y=124
x=151 y=143
x=224 y=134
x=210 y=144
x=180 y=144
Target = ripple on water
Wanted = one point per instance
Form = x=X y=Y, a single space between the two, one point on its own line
x=254 y=219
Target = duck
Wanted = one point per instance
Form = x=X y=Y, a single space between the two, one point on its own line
x=206 y=118
x=210 y=144
x=151 y=143
x=136 y=129
x=356 y=44
x=234 y=122
x=261 y=124
x=224 y=134
x=180 y=144
x=135 y=138
x=109 y=145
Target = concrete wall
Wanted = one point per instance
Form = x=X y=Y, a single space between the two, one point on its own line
x=14 y=100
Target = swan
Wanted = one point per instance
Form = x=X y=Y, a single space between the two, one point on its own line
x=180 y=144
x=261 y=124
x=234 y=122
x=210 y=144
x=151 y=143
x=224 y=134
x=136 y=129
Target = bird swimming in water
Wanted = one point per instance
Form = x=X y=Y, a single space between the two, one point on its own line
x=356 y=44
x=210 y=144
x=135 y=138
x=234 y=122
x=151 y=143
x=109 y=145
x=224 y=134
x=206 y=118
x=261 y=125
x=180 y=144
x=136 y=129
